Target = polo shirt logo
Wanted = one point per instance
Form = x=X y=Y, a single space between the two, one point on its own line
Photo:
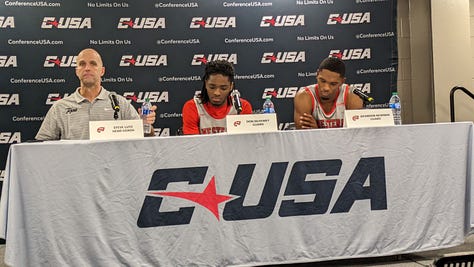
x=70 y=110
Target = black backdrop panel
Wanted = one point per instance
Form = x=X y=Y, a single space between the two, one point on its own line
x=159 y=49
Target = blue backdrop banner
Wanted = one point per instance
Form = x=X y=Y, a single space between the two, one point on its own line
x=158 y=49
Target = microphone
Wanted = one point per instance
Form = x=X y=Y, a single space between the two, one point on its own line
x=363 y=96
x=235 y=95
x=115 y=104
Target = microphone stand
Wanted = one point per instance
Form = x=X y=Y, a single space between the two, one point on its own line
x=235 y=98
x=365 y=103
x=365 y=98
x=115 y=105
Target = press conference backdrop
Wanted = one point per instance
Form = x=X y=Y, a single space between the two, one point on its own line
x=158 y=49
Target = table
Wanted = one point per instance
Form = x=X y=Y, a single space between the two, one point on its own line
x=246 y=199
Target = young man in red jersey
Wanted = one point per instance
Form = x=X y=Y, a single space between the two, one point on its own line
x=206 y=113
x=322 y=105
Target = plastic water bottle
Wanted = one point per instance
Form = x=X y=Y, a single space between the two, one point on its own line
x=146 y=109
x=268 y=105
x=396 y=107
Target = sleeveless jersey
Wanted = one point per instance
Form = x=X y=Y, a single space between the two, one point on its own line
x=209 y=124
x=335 y=117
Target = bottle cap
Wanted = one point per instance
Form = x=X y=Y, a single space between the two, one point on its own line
x=394 y=93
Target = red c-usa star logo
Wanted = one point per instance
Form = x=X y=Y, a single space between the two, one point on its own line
x=208 y=198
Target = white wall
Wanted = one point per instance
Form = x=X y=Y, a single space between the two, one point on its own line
x=404 y=78
x=452 y=57
x=415 y=69
x=435 y=54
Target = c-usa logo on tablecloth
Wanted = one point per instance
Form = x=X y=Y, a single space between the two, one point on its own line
x=366 y=182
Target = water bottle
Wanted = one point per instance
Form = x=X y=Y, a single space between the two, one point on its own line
x=268 y=105
x=396 y=107
x=146 y=109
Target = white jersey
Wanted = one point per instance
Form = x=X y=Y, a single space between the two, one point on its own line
x=209 y=124
x=335 y=117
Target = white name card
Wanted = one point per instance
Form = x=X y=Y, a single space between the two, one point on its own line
x=251 y=123
x=368 y=117
x=117 y=129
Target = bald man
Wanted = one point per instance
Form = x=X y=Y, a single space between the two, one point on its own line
x=69 y=117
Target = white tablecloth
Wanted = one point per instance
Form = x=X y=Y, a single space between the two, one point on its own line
x=249 y=199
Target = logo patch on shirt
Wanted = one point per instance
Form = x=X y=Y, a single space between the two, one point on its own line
x=70 y=110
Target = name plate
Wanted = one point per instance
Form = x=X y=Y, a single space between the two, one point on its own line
x=251 y=123
x=368 y=117
x=116 y=129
